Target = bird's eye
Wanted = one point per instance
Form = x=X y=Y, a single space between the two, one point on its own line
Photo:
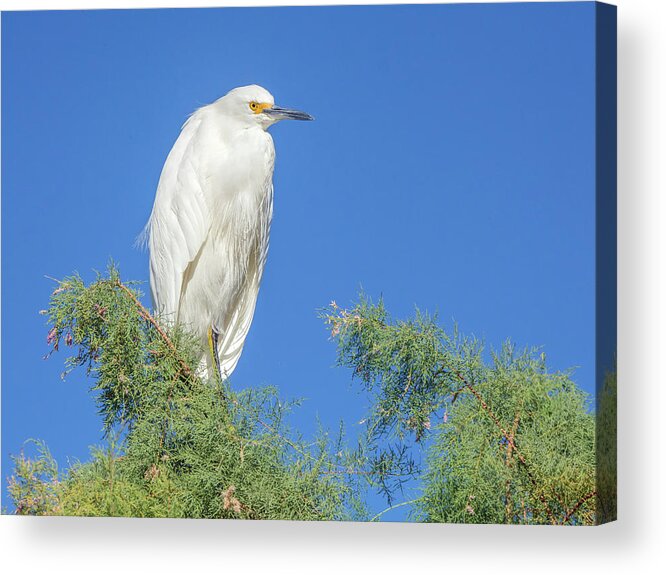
x=254 y=106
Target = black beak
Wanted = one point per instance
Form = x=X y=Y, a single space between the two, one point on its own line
x=286 y=114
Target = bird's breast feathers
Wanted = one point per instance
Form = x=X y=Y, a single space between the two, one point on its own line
x=239 y=183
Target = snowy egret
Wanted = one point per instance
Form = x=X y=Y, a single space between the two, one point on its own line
x=209 y=228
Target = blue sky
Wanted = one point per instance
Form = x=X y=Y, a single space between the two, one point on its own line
x=450 y=166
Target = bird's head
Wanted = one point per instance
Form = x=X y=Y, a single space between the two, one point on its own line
x=254 y=105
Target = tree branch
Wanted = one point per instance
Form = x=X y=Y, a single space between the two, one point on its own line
x=145 y=314
x=509 y=440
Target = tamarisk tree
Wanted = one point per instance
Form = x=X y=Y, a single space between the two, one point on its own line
x=506 y=441
x=177 y=446
x=501 y=439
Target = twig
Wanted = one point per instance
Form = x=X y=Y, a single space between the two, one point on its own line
x=360 y=472
x=282 y=437
x=394 y=507
x=513 y=434
x=577 y=506
x=145 y=314
x=508 y=511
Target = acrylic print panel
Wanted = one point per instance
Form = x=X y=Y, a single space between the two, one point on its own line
x=434 y=337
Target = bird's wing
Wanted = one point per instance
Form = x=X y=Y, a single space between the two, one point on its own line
x=231 y=344
x=179 y=223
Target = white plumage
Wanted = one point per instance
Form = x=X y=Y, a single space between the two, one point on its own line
x=208 y=233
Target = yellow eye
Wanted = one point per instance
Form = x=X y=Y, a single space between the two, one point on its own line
x=254 y=106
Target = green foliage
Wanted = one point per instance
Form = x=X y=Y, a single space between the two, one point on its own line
x=397 y=363
x=127 y=358
x=178 y=446
x=34 y=485
x=211 y=464
x=475 y=475
x=506 y=441
x=503 y=440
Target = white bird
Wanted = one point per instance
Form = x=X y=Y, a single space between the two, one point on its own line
x=209 y=229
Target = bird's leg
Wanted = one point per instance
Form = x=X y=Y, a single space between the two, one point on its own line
x=213 y=336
